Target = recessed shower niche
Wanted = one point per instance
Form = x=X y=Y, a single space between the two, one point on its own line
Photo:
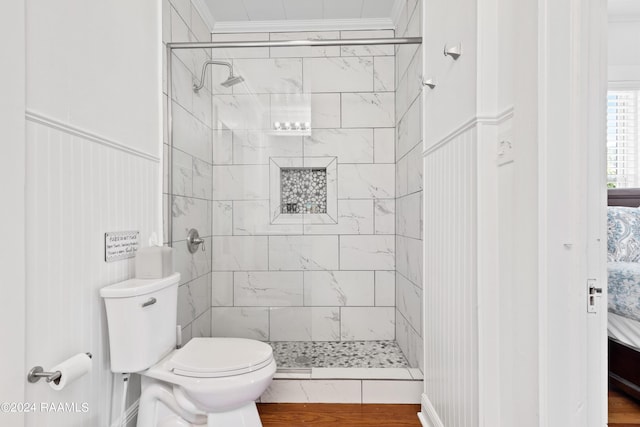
x=303 y=190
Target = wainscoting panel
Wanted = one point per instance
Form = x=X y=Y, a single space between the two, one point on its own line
x=450 y=281
x=78 y=189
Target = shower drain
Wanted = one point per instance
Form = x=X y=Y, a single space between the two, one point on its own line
x=303 y=360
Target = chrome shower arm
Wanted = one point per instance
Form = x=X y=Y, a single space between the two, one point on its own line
x=197 y=87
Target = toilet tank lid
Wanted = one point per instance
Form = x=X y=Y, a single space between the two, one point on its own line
x=135 y=287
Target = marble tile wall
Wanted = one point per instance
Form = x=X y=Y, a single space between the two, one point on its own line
x=301 y=281
x=409 y=171
x=191 y=204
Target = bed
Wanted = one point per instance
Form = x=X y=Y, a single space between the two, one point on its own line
x=623 y=270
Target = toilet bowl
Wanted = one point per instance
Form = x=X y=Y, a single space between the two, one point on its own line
x=209 y=381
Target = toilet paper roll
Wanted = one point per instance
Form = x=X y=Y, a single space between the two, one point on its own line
x=71 y=369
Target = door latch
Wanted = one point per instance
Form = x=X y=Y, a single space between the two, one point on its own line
x=593 y=295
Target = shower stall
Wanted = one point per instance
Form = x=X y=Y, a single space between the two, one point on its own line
x=297 y=158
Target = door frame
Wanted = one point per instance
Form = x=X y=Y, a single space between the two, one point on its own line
x=12 y=226
x=572 y=40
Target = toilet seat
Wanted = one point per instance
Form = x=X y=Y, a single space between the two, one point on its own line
x=220 y=357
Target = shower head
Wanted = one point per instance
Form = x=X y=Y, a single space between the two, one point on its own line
x=231 y=80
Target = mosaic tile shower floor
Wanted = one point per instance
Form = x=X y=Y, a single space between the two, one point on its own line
x=338 y=354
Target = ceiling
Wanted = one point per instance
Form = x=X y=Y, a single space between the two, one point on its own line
x=221 y=11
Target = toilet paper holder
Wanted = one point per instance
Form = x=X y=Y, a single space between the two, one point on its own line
x=37 y=372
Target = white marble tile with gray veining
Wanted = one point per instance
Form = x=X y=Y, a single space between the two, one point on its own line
x=188 y=213
x=402 y=176
x=222 y=146
x=201 y=179
x=256 y=147
x=409 y=301
x=409 y=341
x=368 y=50
x=303 y=252
x=290 y=324
x=222 y=218
x=181 y=89
x=201 y=327
x=415 y=169
x=241 y=52
x=409 y=258
x=318 y=391
x=349 y=145
x=240 y=322
x=202 y=106
x=239 y=253
x=409 y=215
x=339 y=288
x=182 y=173
x=384 y=145
x=269 y=75
x=305 y=324
x=385 y=216
x=366 y=181
x=193 y=299
x=237 y=112
x=338 y=74
x=410 y=128
x=221 y=288
x=254 y=218
x=190 y=134
x=325 y=110
x=367 y=252
x=240 y=182
x=368 y=109
x=367 y=323
x=325 y=323
x=354 y=217
x=268 y=288
x=385 y=288
x=384 y=74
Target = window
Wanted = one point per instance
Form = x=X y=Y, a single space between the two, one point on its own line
x=623 y=138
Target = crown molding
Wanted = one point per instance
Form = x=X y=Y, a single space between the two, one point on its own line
x=303 y=25
x=205 y=13
x=396 y=10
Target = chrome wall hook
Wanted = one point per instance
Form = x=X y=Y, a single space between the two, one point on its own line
x=430 y=83
x=453 y=51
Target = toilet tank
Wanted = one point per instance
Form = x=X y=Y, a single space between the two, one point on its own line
x=141 y=317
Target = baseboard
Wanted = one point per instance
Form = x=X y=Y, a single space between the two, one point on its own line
x=428 y=416
x=129 y=415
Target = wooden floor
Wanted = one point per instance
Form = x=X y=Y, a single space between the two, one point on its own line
x=337 y=415
x=623 y=410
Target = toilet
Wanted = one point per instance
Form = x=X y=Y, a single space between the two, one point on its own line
x=209 y=381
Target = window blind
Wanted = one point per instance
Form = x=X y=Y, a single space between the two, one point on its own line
x=623 y=139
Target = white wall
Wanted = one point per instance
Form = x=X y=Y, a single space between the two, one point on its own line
x=530 y=88
x=96 y=66
x=624 y=55
x=12 y=221
x=93 y=142
x=451 y=192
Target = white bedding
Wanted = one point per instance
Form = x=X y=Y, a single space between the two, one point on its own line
x=624 y=329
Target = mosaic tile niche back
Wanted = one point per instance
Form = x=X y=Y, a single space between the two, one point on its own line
x=303 y=190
